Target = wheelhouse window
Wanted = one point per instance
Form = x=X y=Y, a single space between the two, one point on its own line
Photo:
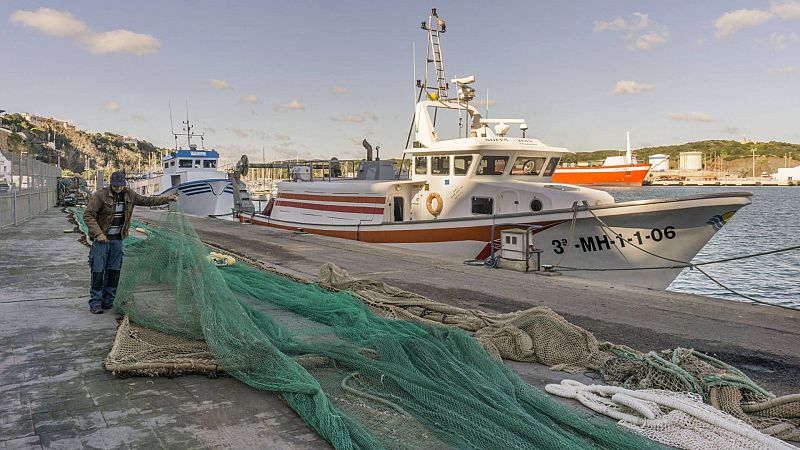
x=527 y=165
x=209 y=164
x=461 y=164
x=492 y=165
x=172 y=163
x=440 y=165
x=166 y=164
x=551 y=166
x=482 y=205
x=421 y=165
x=198 y=163
x=186 y=163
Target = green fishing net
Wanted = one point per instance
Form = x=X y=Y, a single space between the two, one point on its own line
x=359 y=380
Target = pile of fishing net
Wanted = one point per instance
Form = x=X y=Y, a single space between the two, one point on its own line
x=540 y=335
x=358 y=379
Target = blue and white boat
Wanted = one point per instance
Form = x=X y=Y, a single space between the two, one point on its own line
x=193 y=174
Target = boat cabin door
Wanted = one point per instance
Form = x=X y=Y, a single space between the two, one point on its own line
x=398 y=209
x=175 y=180
x=509 y=202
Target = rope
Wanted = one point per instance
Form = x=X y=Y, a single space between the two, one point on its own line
x=681 y=264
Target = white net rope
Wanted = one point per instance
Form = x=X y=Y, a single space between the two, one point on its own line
x=677 y=419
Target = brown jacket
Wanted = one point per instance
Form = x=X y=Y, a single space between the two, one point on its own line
x=100 y=211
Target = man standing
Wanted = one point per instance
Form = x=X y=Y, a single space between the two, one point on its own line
x=108 y=217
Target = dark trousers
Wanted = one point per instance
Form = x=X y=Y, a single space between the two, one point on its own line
x=105 y=261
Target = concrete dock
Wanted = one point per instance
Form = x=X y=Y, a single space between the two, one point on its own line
x=56 y=393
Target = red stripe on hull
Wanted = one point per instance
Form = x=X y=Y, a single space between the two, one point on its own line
x=632 y=175
x=336 y=208
x=333 y=198
x=422 y=235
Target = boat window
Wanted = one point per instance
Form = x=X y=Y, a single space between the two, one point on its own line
x=198 y=163
x=421 y=165
x=492 y=165
x=185 y=163
x=209 y=164
x=551 y=166
x=166 y=164
x=440 y=165
x=172 y=163
x=482 y=205
x=526 y=165
x=461 y=164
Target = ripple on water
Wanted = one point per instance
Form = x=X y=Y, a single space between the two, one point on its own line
x=771 y=222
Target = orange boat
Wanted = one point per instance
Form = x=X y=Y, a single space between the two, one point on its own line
x=615 y=171
x=606 y=175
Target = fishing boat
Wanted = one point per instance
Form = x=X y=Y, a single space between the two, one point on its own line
x=194 y=174
x=615 y=171
x=461 y=193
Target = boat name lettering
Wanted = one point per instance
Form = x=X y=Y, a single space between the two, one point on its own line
x=497 y=139
x=604 y=242
x=197 y=153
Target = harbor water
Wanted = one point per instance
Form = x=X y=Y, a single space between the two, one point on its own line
x=770 y=223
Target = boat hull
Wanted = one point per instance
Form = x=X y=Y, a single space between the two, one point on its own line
x=625 y=175
x=205 y=197
x=643 y=243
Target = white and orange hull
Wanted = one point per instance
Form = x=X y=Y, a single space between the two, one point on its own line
x=636 y=243
x=624 y=175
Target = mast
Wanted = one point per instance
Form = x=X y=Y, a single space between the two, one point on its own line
x=628 y=157
x=435 y=26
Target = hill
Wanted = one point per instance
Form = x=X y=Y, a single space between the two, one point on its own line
x=730 y=156
x=76 y=150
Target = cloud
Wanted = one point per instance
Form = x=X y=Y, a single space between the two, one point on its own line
x=732 y=22
x=779 y=41
x=352 y=118
x=731 y=130
x=292 y=105
x=138 y=118
x=63 y=24
x=691 y=117
x=640 y=32
x=219 y=84
x=340 y=90
x=238 y=132
x=111 y=106
x=120 y=41
x=628 y=87
x=252 y=99
x=785 y=70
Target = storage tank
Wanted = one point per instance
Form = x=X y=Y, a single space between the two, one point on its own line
x=658 y=162
x=691 y=161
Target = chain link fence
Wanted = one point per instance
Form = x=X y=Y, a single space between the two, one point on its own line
x=27 y=187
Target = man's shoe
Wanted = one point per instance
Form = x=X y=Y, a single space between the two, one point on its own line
x=96 y=310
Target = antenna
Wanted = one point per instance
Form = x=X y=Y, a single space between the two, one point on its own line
x=171 y=126
x=414 y=64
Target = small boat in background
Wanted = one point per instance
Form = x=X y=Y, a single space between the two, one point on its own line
x=615 y=171
x=193 y=174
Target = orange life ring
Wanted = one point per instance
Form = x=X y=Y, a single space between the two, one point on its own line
x=439 y=204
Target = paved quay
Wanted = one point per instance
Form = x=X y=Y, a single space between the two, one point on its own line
x=55 y=393
x=760 y=340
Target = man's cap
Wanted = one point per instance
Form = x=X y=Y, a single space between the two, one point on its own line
x=118 y=178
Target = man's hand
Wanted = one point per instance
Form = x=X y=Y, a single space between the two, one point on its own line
x=101 y=238
x=173 y=197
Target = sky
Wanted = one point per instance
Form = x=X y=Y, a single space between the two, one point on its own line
x=279 y=79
